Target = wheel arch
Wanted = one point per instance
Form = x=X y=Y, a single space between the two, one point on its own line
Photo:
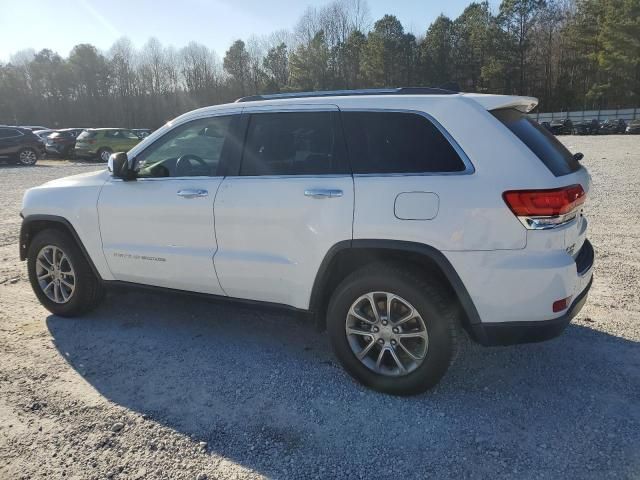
x=344 y=257
x=33 y=224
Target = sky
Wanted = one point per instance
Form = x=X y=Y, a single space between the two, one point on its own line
x=59 y=25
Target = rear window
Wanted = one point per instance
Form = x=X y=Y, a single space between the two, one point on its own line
x=87 y=134
x=540 y=141
x=397 y=142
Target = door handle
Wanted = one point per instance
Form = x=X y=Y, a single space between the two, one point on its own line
x=322 y=193
x=192 y=193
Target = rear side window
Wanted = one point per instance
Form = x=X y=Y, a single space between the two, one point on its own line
x=540 y=141
x=9 y=132
x=292 y=143
x=87 y=134
x=397 y=142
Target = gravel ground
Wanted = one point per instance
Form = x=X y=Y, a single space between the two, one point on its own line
x=152 y=386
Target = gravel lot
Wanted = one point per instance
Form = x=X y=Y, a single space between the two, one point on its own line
x=150 y=386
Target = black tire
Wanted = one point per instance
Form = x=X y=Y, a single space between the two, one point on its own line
x=102 y=151
x=88 y=289
x=27 y=157
x=439 y=312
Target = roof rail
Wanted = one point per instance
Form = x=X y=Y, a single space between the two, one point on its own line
x=350 y=93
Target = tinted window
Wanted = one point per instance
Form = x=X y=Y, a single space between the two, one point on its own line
x=396 y=142
x=9 y=132
x=292 y=143
x=539 y=140
x=192 y=149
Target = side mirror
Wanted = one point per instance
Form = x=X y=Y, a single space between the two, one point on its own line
x=119 y=166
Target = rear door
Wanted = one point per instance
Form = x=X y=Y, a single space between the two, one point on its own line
x=288 y=202
x=10 y=141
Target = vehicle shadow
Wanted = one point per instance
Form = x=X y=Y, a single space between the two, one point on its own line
x=263 y=389
x=10 y=165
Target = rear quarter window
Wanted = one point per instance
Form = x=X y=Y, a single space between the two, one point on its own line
x=87 y=134
x=398 y=142
x=555 y=156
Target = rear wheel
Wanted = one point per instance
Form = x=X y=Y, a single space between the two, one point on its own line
x=104 y=154
x=60 y=275
x=392 y=330
x=27 y=156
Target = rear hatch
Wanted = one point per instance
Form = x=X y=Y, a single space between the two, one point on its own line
x=553 y=217
x=86 y=139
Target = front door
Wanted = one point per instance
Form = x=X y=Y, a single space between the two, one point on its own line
x=159 y=229
x=287 y=204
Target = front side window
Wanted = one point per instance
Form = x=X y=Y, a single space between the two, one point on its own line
x=192 y=149
x=397 y=142
x=292 y=143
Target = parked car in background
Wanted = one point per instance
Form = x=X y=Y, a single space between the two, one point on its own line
x=546 y=125
x=561 y=127
x=20 y=145
x=33 y=128
x=633 y=127
x=102 y=142
x=43 y=134
x=613 y=126
x=142 y=132
x=586 y=127
x=62 y=142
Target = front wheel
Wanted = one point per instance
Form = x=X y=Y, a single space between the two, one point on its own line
x=60 y=275
x=27 y=157
x=393 y=330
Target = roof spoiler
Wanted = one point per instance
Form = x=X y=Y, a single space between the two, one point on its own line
x=496 y=102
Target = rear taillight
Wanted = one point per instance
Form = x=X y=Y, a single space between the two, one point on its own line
x=58 y=140
x=543 y=209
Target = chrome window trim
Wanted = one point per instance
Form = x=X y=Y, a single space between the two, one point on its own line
x=164 y=179
x=319 y=175
x=469 y=168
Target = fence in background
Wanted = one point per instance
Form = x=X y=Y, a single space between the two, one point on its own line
x=624 y=113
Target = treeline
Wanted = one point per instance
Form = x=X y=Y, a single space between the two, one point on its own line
x=571 y=54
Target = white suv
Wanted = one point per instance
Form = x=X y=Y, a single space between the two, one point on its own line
x=398 y=218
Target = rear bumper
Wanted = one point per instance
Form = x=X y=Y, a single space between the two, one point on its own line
x=510 y=333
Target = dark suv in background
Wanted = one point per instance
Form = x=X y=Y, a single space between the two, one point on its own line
x=561 y=127
x=62 y=142
x=586 y=127
x=20 y=145
x=613 y=126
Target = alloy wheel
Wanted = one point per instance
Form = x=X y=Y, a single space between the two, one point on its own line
x=386 y=333
x=28 y=157
x=55 y=274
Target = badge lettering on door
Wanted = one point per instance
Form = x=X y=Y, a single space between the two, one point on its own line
x=130 y=256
